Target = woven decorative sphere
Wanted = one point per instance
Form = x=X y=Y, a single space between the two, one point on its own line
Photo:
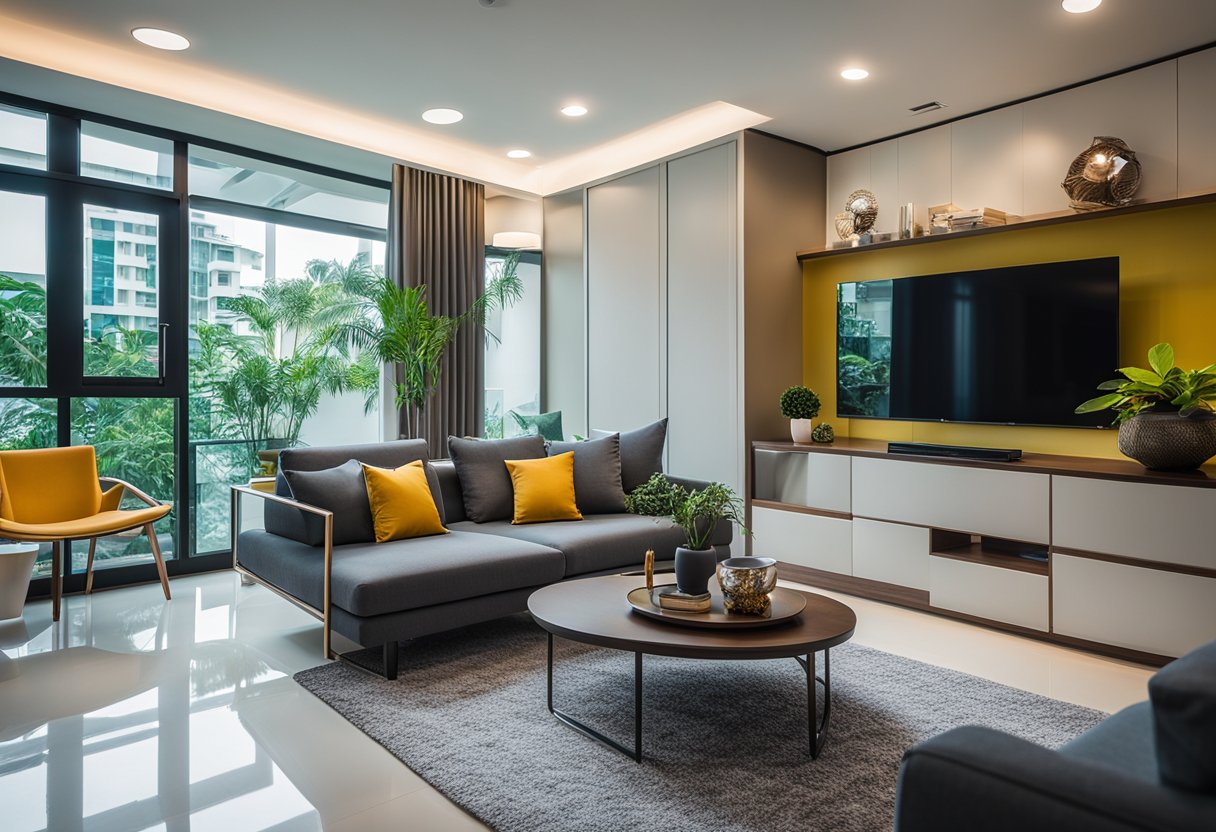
x=863 y=205
x=1105 y=175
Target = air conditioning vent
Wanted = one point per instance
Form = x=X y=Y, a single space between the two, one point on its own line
x=927 y=107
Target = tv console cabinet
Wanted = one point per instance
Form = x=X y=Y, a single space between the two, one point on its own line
x=1100 y=554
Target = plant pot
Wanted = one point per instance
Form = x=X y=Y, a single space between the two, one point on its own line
x=694 y=568
x=746 y=584
x=800 y=431
x=1169 y=442
x=16 y=567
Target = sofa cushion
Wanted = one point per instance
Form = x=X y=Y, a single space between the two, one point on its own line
x=379 y=578
x=1124 y=741
x=548 y=425
x=602 y=541
x=484 y=481
x=544 y=489
x=342 y=491
x=597 y=473
x=641 y=453
x=1183 y=694
x=308 y=528
x=401 y=502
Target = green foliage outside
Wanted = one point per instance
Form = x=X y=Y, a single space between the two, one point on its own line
x=1162 y=388
x=863 y=361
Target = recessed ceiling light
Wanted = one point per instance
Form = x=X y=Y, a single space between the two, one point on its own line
x=1080 y=6
x=160 y=39
x=855 y=73
x=518 y=154
x=442 y=115
x=574 y=110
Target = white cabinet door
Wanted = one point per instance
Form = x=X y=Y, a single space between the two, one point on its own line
x=891 y=553
x=803 y=539
x=1141 y=609
x=704 y=439
x=991 y=592
x=1001 y=503
x=1164 y=523
x=625 y=322
x=820 y=481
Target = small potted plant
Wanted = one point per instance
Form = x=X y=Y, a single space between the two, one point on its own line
x=1166 y=415
x=800 y=405
x=698 y=514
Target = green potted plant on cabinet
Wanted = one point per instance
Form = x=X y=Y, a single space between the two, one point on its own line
x=1166 y=415
x=800 y=405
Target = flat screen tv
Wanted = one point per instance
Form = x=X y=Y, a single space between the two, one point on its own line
x=1022 y=345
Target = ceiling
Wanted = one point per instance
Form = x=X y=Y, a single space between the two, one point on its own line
x=654 y=73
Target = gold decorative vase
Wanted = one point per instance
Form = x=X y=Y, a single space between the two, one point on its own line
x=746 y=584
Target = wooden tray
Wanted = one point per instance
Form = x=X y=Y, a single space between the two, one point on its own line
x=786 y=605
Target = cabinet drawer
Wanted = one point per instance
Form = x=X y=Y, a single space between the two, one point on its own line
x=803 y=539
x=1007 y=595
x=815 y=480
x=1008 y=504
x=1128 y=606
x=1164 y=523
x=892 y=553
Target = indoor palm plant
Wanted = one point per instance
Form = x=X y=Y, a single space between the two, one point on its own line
x=1166 y=415
x=800 y=405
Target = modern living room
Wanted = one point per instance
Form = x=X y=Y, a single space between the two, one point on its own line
x=522 y=415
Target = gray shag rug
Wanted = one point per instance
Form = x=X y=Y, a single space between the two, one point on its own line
x=725 y=743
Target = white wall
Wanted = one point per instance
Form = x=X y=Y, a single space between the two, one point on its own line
x=509 y=213
x=1013 y=159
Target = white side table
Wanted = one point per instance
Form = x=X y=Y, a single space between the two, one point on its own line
x=16 y=566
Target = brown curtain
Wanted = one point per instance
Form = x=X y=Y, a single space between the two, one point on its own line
x=436 y=236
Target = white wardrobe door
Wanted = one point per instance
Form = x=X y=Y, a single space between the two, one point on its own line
x=703 y=435
x=624 y=309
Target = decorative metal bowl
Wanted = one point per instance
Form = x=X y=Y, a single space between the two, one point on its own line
x=746 y=584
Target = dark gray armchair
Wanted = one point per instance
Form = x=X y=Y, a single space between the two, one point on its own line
x=1151 y=766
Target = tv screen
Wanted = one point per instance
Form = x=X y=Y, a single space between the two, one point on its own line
x=1022 y=345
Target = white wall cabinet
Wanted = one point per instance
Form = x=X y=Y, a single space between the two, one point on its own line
x=891 y=553
x=803 y=539
x=990 y=592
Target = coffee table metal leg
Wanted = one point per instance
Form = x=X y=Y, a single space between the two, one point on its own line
x=587 y=731
x=817 y=729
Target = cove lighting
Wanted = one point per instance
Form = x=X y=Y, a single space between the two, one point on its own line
x=160 y=39
x=442 y=115
x=518 y=154
x=854 y=74
x=1080 y=6
x=574 y=110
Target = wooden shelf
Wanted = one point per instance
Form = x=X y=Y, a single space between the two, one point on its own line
x=1026 y=222
x=976 y=553
x=818 y=512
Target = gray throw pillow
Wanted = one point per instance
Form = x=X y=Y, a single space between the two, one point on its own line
x=481 y=466
x=341 y=490
x=641 y=453
x=1184 y=720
x=597 y=474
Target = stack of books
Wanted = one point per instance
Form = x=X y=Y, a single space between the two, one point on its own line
x=670 y=598
x=963 y=219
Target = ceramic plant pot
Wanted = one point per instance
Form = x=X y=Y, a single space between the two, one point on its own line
x=800 y=431
x=694 y=568
x=746 y=584
x=1169 y=442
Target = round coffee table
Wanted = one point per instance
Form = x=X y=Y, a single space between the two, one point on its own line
x=595 y=611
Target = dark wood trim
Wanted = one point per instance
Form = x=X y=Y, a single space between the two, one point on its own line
x=787 y=140
x=919 y=601
x=1068 y=466
x=1155 y=565
x=1039 y=222
x=975 y=553
x=973 y=113
x=864 y=587
x=818 y=512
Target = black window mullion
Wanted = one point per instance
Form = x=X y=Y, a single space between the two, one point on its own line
x=63 y=144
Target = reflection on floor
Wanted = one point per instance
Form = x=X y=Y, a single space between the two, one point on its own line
x=133 y=713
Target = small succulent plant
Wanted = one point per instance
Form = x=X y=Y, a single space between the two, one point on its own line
x=799 y=402
x=823 y=433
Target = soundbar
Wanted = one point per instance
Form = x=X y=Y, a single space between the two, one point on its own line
x=954 y=451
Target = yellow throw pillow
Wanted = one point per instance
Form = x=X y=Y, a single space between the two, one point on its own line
x=401 y=502
x=544 y=489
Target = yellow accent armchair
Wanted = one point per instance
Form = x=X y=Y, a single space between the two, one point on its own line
x=55 y=495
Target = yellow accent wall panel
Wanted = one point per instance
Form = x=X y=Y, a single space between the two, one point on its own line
x=1167 y=266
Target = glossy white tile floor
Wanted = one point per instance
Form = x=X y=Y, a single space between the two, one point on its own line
x=133 y=713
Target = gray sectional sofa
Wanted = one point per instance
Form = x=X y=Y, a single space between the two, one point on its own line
x=379 y=594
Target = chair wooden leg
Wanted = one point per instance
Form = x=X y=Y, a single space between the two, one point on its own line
x=88 y=570
x=160 y=560
x=56 y=586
